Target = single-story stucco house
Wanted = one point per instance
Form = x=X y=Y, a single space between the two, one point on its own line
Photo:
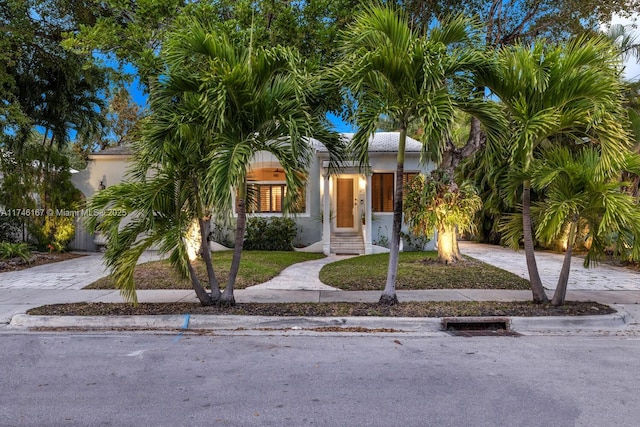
x=359 y=207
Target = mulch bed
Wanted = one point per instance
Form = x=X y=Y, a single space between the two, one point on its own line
x=37 y=258
x=340 y=309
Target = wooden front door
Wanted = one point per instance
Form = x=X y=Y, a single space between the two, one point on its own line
x=345 y=203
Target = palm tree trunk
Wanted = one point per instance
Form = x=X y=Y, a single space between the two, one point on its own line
x=448 y=249
x=561 y=288
x=389 y=296
x=205 y=226
x=201 y=293
x=539 y=296
x=204 y=244
x=241 y=224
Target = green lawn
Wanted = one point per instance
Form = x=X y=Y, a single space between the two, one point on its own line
x=255 y=267
x=417 y=270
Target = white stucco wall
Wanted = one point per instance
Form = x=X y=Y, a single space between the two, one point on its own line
x=110 y=169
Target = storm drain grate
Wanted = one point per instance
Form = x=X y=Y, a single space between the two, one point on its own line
x=477 y=333
x=478 y=327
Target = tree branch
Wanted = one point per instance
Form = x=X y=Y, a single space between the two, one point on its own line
x=517 y=31
x=452 y=156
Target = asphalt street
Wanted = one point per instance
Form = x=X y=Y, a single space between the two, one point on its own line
x=122 y=379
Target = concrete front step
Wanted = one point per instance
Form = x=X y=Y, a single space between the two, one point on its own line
x=347 y=251
x=347 y=244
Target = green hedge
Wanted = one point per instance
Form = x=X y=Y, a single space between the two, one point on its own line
x=270 y=234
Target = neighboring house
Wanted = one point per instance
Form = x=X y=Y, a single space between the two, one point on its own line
x=359 y=207
x=105 y=168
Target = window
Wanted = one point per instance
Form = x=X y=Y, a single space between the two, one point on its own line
x=382 y=190
x=266 y=192
x=268 y=198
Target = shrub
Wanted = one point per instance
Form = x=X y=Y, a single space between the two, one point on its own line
x=53 y=231
x=10 y=228
x=29 y=184
x=270 y=234
x=12 y=250
x=413 y=242
x=221 y=233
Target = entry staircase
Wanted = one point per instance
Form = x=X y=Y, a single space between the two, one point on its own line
x=347 y=244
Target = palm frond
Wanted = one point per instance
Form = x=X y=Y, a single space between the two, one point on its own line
x=510 y=227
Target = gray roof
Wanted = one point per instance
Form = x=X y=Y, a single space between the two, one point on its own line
x=380 y=142
x=388 y=142
x=120 y=150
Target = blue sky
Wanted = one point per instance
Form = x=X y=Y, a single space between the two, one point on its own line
x=339 y=124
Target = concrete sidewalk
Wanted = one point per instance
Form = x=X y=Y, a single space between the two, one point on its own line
x=62 y=283
x=73 y=274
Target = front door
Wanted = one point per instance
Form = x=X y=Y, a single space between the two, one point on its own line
x=345 y=203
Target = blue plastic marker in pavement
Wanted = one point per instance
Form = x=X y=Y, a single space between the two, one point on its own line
x=185 y=325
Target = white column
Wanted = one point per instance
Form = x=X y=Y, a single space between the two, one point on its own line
x=326 y=216
x=368 y=248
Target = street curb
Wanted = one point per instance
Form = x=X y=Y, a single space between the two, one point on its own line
x=98 y=322
x=412 y=324
x=607 y=321
x=215 y=322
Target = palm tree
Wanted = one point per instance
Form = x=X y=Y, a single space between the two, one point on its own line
x=555 y=94
x=218 y=105
x=628 y=44
x=577 y=196
x=394 y=72
x=162 y=210
x=624 y=38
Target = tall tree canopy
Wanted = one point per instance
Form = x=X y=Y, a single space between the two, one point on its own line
x=48 y=96
x=510 y=21
x=42 y=84
x=133 y=32
x=507 y=22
